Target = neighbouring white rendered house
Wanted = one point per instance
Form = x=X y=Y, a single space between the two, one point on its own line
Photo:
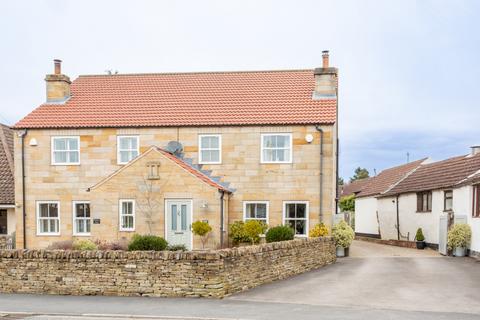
x=428 y=195
x=366 y=202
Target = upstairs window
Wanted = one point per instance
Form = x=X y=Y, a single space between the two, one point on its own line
x=65 y=150
x=276 y=148
x=476 y=201
x=48 y=218
x=424 y=201
x=210 y=149
x=448 y=200
x=127 y=148
x=255 y=210
x=127 y=215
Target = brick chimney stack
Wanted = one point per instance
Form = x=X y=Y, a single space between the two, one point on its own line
x=326 y=79
x=58 y=84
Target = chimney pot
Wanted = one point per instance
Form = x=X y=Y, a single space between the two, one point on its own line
x=325 y=58
x=58 y=66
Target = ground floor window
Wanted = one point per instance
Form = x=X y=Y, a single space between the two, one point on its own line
x=81 y=218
x=295 y=215
x=127 y=215
x=255 y=210
x=48 y=217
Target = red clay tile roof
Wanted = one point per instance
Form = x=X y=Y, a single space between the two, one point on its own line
x=439 y=175
x=355 y=187
x=187 y=99
x=388 y=178
x=7 y=187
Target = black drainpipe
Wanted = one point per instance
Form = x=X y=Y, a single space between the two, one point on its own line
x=320 y=213
x=398 y=219
x=222 y=195
x=22 y=136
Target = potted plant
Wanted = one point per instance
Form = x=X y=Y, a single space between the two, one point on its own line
x=343 y=236
x=459 y=238
x=201 y=229
x=420 y=239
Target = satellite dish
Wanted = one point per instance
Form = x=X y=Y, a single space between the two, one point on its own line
x=174 y=147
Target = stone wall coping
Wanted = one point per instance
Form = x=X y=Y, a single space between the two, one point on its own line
x=157 y=255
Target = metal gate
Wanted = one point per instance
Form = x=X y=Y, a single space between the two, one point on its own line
x=442 y=235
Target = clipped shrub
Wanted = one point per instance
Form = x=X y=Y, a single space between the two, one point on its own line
x=320 y=230
x=459 y=236
x=236 y=231
x=84 y=245
x=121 y=244
x=279 y=233
x=61 y=245
x=253 y=229
x=177 y=247
x=347 y=203
x=201 y=229
x=147 y=243
x=419 y=236
x=343 y=234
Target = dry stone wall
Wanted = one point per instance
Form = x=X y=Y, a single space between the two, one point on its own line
x=173 y=274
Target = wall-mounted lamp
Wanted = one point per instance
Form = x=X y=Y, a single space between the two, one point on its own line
x=33 y=142
x=309 y=138
x=204 y=205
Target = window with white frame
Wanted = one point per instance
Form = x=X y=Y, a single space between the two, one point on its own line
x=255 y=210
x=127 y=148
x=295 y=215
x=81 y=218
x=210 y=148
x=65 y=150
x=127 y=215
x=48 y=218
x=276 y=148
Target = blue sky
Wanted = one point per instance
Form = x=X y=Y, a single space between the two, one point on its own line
x=409 y=70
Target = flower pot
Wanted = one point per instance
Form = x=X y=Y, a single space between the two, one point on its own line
x=420 y=245
x=340 y=252
x=459 y=252
x=347 y=251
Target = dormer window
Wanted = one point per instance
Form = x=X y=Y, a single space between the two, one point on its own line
x=127 y=149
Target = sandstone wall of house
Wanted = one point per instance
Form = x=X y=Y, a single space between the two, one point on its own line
x=173 y=274
x=240 y=166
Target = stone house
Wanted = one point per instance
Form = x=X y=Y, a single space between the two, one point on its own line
x=7 y=194
x=107 y=156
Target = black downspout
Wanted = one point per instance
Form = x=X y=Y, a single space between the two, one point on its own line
x=320 y=203
x=398 y=219
x=22 y=135
x=222 y=195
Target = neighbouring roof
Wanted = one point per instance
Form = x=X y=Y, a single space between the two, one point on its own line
x=439 y=175
x=355 y=186
x=183 y=163
x=388 y=178
x=7 y=186
x=187 y=99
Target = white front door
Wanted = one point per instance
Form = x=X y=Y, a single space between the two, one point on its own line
x=178 y=221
